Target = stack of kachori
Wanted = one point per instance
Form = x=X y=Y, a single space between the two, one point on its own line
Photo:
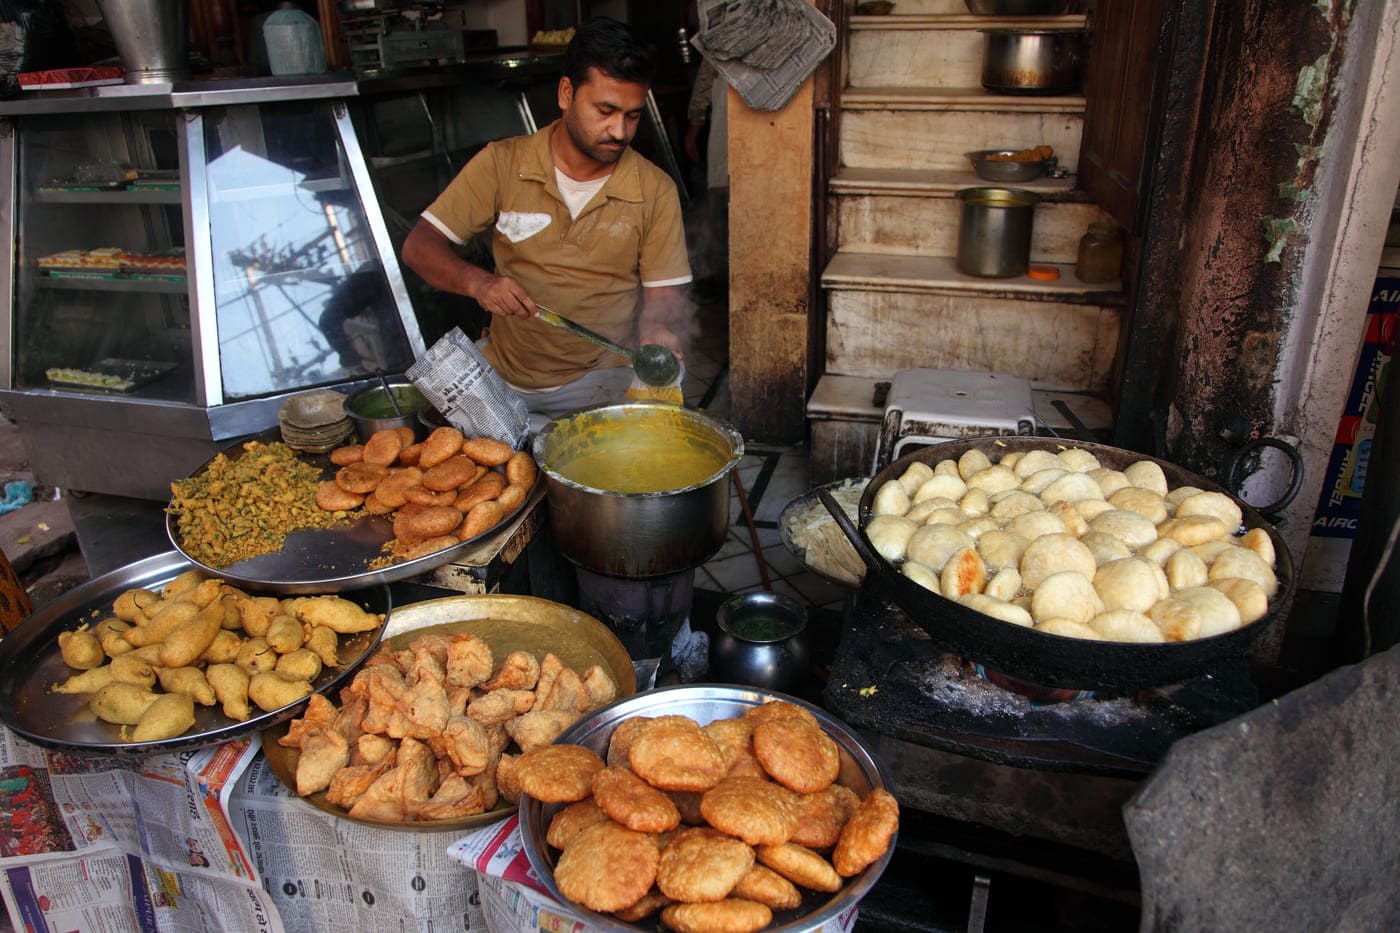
x=443 y=490
x=715 y=827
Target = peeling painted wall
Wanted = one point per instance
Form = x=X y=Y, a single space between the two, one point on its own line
x=1264 y=123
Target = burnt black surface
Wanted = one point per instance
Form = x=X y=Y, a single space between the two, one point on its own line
x=925 y=696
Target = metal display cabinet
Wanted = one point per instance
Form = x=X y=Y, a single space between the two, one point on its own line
x=125 y=368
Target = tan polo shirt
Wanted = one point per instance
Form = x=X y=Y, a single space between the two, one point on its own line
x=588 y=268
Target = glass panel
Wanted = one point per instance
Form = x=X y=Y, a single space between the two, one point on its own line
x=101 y=298
x=301 y=295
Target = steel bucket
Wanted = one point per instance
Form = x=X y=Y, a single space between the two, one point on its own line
x=152 y=38
x=994 y=236
x=678 y=524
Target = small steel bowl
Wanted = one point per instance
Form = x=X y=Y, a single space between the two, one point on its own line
x=1005 y=170
x=704 y=704
x=372 y=411
x=760 y=642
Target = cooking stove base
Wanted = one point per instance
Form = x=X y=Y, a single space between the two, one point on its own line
x=960 y=746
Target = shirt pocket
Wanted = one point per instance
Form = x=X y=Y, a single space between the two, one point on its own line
x=516 y=226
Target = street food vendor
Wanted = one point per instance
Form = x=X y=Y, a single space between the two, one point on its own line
x=583 y=225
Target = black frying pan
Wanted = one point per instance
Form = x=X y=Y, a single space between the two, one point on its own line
x=1056 y=660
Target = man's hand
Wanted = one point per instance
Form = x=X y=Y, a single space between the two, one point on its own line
x=660 y=334
x=504 y=296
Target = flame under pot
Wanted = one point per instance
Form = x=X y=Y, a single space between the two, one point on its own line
x=638 y=490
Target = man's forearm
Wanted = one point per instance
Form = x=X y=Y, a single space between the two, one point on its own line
x=430 y=254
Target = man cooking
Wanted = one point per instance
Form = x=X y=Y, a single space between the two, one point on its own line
x=583 y=225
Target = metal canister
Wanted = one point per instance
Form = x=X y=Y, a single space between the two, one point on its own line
x=994 y=236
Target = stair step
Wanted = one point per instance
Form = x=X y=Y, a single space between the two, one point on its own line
x=902 y=182
x=1054 y=344
x=932 y=139
x=957 y=98
x=924 y=51
x=928 y=226
x=966 y=21
x=939 y=275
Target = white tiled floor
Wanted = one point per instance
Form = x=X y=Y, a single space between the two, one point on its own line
x=771 y=477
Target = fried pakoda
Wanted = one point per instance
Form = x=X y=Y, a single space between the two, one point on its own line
x=607 y=867
x=651 y=902
x=765 y=886
x=541 y=727
x=408 y=711
x=867 y=834
x=821 y=816
x=468 y=661
x=519 y=671
x=801 y=866
x=731 y=915
x=797 y=754
x=633 y=802
x=780 y=709
x=672 y=753
x=601 y=688
x=702 y=864
x=756 y=811
x=559 y=773
x=573 y=819
x=620 y=744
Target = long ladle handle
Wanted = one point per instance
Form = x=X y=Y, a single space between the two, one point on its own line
x=843 y=521
x=558 y=320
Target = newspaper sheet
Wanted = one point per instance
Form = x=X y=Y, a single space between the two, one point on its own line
x=208 y=840
x=121 y=843
x=328 y=873
x=456 y=379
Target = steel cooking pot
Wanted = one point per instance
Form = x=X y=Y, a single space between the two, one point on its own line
x=1024 y=61
x=1054 y=660
x=638 y=489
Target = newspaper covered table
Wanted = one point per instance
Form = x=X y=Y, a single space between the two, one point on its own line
x=208 y=840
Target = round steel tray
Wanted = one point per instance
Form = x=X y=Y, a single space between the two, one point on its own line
x=329 y=560
x=30 y=663
x=704 y=704
x=507 y=623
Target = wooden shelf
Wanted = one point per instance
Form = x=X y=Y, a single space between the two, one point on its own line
x=878 y=272
x=943 y=183
x=153 y=196
x=968 y=21
x=99 y=284
x=957 y=98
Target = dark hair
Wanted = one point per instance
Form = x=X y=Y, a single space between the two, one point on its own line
x=611 y=47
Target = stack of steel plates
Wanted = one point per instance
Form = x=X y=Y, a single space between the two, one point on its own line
x=315 y=422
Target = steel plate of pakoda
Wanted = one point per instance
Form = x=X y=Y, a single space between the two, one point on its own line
x=31 y=663
x=312 y=552
x=511 y=626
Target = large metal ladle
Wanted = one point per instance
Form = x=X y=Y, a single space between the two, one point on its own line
x=654 y=364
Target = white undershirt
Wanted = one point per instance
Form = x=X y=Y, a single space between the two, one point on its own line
x=577 y=194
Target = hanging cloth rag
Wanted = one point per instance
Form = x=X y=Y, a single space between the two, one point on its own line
x=765 y=49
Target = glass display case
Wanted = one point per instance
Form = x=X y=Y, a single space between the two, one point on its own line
x=180 y=259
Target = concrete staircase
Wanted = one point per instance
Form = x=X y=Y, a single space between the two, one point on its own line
x=912 y=105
